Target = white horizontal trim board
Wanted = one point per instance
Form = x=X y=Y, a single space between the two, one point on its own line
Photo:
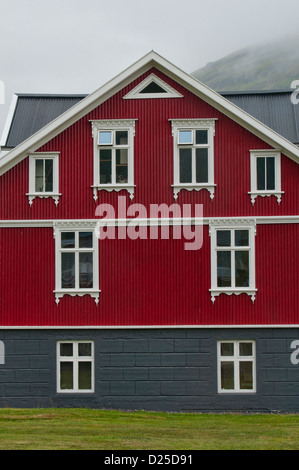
x=47 y=223
x=149 y=327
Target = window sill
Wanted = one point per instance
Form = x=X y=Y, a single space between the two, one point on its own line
x=54 y=196
x=113 y=187
x=255 y=194
x=236 y=291
x=193 y=187
x=77 y=292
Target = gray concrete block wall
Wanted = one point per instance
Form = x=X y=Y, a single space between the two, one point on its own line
x=151 y=369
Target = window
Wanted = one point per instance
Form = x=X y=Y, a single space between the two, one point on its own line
x=265 y=174
x=152 y=87
x=232 y=258
x=75 y=367
x=43 y=176
x=76 y=261
x=236 y=367
x=193 y=155
x=113 y=156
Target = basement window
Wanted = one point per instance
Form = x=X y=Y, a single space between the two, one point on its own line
x=236 y=367
x=75 y=367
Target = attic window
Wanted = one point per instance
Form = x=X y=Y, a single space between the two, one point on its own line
x=152 y=87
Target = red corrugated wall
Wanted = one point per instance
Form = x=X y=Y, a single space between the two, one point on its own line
x=153 y=164
x=148 y=282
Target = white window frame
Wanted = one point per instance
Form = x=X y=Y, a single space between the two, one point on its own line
x=254 y=192
x=32 y=194
x=236 y=359
x=75 y=359
x=113 y=125
x=193 y=125
x=136 y=93
x=232 y=225
x=76 y=227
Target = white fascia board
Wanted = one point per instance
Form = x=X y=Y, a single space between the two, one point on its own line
x=150 y=60
x=9 y=119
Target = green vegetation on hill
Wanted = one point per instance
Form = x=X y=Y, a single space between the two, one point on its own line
x=265 y=67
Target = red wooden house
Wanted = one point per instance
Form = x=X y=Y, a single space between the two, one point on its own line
x=148 y=251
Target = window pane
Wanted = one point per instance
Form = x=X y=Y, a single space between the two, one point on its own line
x=227 y=376
x=49 y=176
x=227 y=349
x=68 y=270
x=105 y=137
x=270 y=173
x=242 y=268
x=121 y=165
x=202 y=165
x=121 y=137
x=223 y=238
x=66 y=349
x=39 y=176
x=260 y=168
x=84 y=376
x=185 y=166
x=246 y=376
x=201 y=137
x=105 y=166
x=66 y=376
x=86 y=270
x=185 y=137
x=85 y=239
x=224 y=269
x=153 y=88
x=245 y=349
x=67 y=239
x=242 y=237
x=84 y=349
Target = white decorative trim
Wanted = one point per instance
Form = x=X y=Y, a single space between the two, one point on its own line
x=254 y=195
x=193 y=187
x=9 y=120
x=113 y=187
x=216 y=292
x=49 y=223
x=55 y=197
x=79 y=293
x=115 y=125
x=136 y=92
x=254 y=192
x=193 y=124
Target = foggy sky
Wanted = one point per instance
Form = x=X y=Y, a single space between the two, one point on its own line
x=75 y=46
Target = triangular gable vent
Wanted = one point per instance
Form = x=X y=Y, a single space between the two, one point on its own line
x=152 y=87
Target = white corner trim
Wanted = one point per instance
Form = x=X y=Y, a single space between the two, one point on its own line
x=170 y=92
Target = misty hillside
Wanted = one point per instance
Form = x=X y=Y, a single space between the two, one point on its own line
x=265 y=67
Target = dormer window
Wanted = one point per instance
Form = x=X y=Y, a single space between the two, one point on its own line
x=113 y=156
x=44 y=176
x=193 y=155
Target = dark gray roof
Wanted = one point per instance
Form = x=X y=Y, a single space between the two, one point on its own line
x=33 y=112
x=273 y=108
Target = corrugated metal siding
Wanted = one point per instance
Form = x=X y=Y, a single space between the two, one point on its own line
x=153 y=161
x=148 y=282
x=32 y=113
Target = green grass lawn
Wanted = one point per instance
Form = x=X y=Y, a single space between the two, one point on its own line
x=83 y=429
